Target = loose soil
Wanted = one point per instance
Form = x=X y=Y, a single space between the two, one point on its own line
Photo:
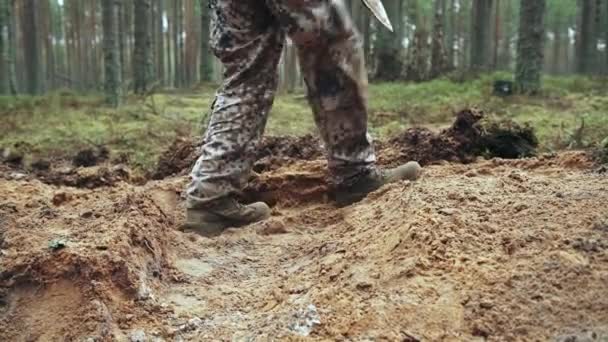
x=492 y=250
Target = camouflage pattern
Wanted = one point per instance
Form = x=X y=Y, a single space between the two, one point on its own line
x=248 y=37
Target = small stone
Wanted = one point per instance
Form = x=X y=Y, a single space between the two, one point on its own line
x=87 y=214
x=138 y=336
x=272 y=227
x=57 y=244
x=60 y=198
x=17 y=175
x=520 y=207
x=447 y=211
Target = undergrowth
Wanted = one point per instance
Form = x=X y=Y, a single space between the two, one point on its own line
x=570 y=113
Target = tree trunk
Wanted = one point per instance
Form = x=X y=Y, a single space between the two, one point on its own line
x=206 y=60
x=417 y=68
x=160 y=43
x=46 y=36
x=142 y=53
x=530 y=46
x=4 y=16
x=497 y=33
x=177 y=9
x=557 y=47
x=439 y=58
x=481 y=38
x=606 y=39
x=586 y=39
x=504 y=59
x=191 y=47
x=122 y=39
x=451 y=33
x=29 y=26
x=388 y=46
x=290 y=67
x=367 y=40
x=111 y=52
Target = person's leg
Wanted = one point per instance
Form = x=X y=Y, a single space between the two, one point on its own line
x=332 y=61
x=331 y=58
x=248 y=41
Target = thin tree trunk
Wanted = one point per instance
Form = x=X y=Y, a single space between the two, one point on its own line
x=606 y=39
x=497 y=33
x=367 y=40
x=557 y=40
x=439 y=59
x=504 y=60
x=291 y=68
x=111 y=49
x=142 y=58
x=122 y=39
x=29 y=26
x=160 y=44
x=170 y=45
x=191 y=48
x=530 y=46
x=206 y=60
x=388 y=46
x=451 y=33
x=176 y=43
x=4 y=16
x=481 y=38
x=586 y=40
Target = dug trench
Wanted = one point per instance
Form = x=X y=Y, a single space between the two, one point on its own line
x=477 y=249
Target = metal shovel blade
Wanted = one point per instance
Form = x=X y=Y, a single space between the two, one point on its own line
x=378 y=9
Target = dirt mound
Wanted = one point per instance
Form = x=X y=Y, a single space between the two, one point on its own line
x=469 y=136
x=180 y=156
x=496 y=250
x=74 y=263
x=273 y=152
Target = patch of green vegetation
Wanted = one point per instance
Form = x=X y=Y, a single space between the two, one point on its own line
x=570 y=112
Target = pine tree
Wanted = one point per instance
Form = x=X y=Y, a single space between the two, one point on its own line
x=586 y=49
x=29 y=27
x=439 y=57
x=4 y=80
x=388 y=45
x=481 y=38
x=206 y=60
x=111 y=51
x=530 y=46
x=142 y=53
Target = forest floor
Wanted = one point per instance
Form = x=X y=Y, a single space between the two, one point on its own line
x=480 y=248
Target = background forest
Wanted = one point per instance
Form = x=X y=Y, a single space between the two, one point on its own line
x=61 y=60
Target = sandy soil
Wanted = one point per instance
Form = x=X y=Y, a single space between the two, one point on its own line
x=495 y=250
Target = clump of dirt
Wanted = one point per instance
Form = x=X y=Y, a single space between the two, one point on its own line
x=180 y=156
x=91 y=156
x=470 y=136
x=273 y=152
x=507 y=139
x=277 y=151
x=86 y=177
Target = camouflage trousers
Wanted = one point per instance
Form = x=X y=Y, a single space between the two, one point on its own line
x=248 y=37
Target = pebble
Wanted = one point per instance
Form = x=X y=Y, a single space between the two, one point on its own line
x=138 y=336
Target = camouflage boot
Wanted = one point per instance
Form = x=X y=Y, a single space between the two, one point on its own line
x=223 y=213
x=345 y=194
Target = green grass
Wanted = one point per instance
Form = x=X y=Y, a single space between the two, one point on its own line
x=62 y=122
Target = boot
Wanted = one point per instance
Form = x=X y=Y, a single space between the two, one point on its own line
x=345 y=194
x=223 y=213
